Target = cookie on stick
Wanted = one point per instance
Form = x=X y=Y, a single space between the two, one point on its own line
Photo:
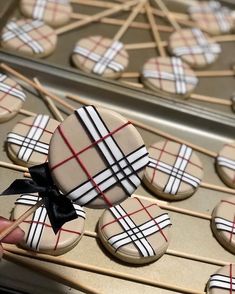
x=29 y=37
x=102 y=56
x=28 y=142
x=222 y=224
x=12 y=98
x=135 y=231
x=212 y=17
x=55 y=13
x=225 y=164
x=39 y=235
x=167 y=74
x=106 y=170
x=192 y=45
x=170 y=75
x=223 y=281
x=34 y=38
x=174 y=171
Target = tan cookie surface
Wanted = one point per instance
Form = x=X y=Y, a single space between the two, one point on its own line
x=100 y=56
x=30 y=37
x=28 y=142
x=212 y=17
x=53 y=12
x=135 y=231
x=12 y=98
x=223 y=223
x=97 y=157
x=174 y=171
x=194 y=47
x=39 y=235
x=225 y=164
x=169 y=75
x=223 y=281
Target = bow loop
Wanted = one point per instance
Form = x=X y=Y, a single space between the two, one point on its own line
x=41 y=175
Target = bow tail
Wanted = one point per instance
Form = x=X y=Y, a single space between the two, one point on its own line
x=60 y=210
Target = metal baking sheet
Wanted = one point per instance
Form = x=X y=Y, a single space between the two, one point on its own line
x=216 y=87
x=189 y=234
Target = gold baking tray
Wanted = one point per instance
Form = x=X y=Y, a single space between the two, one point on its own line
x=189 y=234
x=217 y=87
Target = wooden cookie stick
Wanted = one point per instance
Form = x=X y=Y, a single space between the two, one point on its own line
x=198 y=97
x=51 y=105
x=107 y=272
x=95 y=17
x=120 y=22
x=48 y=273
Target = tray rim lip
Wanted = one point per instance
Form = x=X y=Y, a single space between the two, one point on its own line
x=113 y=86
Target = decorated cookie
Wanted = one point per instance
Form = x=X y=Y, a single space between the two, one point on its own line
x=174 y=171
x=100 y=56
x=39 y=235
x=194 y=47
x=53 y=12
x=30 y=37
x=12 y=98
x=212 y=17
x=223 y=281
x=28 y=142
x=169 y=75
x=223 y=223
x=225 y=164
x=97 y=157
x=135 y=231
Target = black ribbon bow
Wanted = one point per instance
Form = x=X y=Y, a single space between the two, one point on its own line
x=59 y=208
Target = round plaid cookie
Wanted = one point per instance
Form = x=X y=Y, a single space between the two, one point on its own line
x=53 y=12
x=225 y=164
x=194 y=47
x=212 y=17
x=223 y=223
x=169 y=75
x=135 y=231
x=28 y=142
x=174 y=171
x=12 y=98
x=97 y=157
x=100 y=56
x=39 y=235
x=30 y=37
x=223 y=281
